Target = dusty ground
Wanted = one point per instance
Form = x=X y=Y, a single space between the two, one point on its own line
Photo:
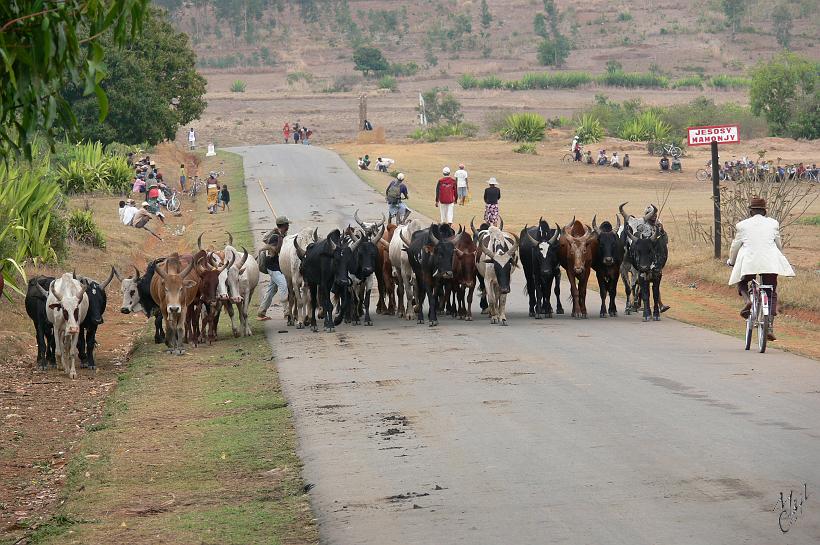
x=535 y=186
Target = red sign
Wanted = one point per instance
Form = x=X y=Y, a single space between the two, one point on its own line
x=722 y=134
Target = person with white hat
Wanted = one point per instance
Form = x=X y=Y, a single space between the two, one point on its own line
x=491 y=197
x=396 y=191
x=446 y=196
x=461 y=183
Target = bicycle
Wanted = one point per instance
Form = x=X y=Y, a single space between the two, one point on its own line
x=704 y=174
x=568 y=157
x=759 y=317
x=196 y=187
x=172 y=203
x=659 y=148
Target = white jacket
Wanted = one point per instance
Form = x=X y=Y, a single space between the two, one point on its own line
x=756 y=249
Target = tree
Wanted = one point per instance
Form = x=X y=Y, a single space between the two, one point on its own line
x=486 y=16
x=734 y=9
x=782 y=21
x=441 y=105
x=44 y=46
x=539 y=25
x=370 y=60
x=554 y=52
x=786 y=92
x=142 y=80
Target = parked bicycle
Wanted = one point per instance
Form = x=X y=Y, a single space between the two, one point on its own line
x=171 y=200
x=196 y=187
x=659 y=148
x=759 y=317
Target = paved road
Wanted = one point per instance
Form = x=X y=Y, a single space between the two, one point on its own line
x=555 y=431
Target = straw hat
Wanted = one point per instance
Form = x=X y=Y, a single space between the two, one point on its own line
x=492 y=181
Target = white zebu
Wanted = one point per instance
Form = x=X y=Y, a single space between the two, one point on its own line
x=495 y=266
x=290 y=263
x=66 y=307
x=236 y=287
x=402 y=272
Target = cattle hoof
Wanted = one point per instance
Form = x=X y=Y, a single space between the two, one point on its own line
x=420 y=322
x=493 y=321
x=657 y=318
x=314 y=329
x=559 y=311
x=368 y=323
x=602 y=314
x=538 y=316
x=300 y=325
x=485 y=311
x=236 y=333
x=646 y=318
x=290 y=321
x=72 y=375
x=503 y=322
x=613 y=314
x=533 y=314
x=469 y=318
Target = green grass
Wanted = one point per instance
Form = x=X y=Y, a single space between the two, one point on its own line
x=194 y=436
x=809 y=220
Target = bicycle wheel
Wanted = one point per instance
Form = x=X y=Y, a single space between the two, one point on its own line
x=702 y=175
x=675 y=151
x=762 y=332
x=567 y=158
x=750 y=323
x=173 y=204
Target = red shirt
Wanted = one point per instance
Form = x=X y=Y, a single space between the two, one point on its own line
x=153 y=193
x=446 y=190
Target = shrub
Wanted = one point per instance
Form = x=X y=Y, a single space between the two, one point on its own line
x=524 y=127
x=295 y=77
x=441 y=105
x=694 y=82
x=624 y=16
x=468 y=81
x=647 y=126
x=403 y=69
x=238 y=86
x=589 y=129
x=526 y=148
x=88 y=168
x=554 y=52
x=620 y=78
x=370 y=60
x=556 y=80
x=723 y=81
x=435 y=133
x=83 y=230
x=343 y=84
x=388 y=82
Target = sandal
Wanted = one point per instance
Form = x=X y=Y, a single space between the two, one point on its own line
x=263 y=318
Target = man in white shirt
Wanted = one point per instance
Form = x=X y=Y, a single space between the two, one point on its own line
x=461 y=183
x=127 y=212
x=616 y=161
x=192 y=138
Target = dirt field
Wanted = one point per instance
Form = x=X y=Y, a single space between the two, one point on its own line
x=535 y=186
x=64 y=442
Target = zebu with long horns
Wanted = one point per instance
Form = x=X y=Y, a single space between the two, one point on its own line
x=325 y=269
x=362 y=273
x=208 y=295
x=607 y=263
x=649 y=255
x=496 y=266
x=460 y=289
x=67 y=306
x=640 y=227
x=236 y=286
x=430 y=253
x=578 y=244
x=402 y=271
x=539 y=259
x=174 y=287
x=291 y=256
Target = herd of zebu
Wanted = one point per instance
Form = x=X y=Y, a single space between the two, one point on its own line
x=408 y=262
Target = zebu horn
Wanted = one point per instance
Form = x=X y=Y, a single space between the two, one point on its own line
x=108 y=280
x=356 y=217
x=432 y=236
x=74 y=274
x=569 y=225
x=356 y=242
x=632 y=237
x=406 y=215
x=380 y=235
x=230 y=238
x=200 y=269
x=652 y=212
x=199 y=240
x=228 y=265
x=595 y=223
x=484 y=249
x=159 y=271
x=555 y=234
x=43 y=292
x=623 y=212
x=527 y=234
x=403 y=239
x=187 y=270
x=300 y=253
x=384 y=220
x=315 y=234
x=117 y=274
x=137 y=275
x=472 y=227
x=502 y=223
x=512 y=250
x=618 y=220
x=244 y=258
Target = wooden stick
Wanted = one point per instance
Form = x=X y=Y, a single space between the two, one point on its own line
x=266 y=199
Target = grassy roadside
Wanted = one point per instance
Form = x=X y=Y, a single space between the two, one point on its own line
x=192 y=449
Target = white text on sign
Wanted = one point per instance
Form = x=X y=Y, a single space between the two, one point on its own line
x=722 y=134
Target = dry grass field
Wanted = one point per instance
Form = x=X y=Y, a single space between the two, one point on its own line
x=535 y=186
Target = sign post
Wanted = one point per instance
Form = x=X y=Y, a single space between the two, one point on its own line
x=711 y=136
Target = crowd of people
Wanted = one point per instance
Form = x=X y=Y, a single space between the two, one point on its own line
x=383 y=164
x=745 y=167
x=149 y=182
x=298 y=132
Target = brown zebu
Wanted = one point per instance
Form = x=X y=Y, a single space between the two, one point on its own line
x=459 y=290
x=578 y=244
x=174 y=287
x=208 y=297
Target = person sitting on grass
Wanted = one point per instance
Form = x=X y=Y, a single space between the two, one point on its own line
x=664 y=163
x=616 y=161
x=676 y=165
x=361 y=164
x=626 y=160
x=143 y=216
x=588 y=158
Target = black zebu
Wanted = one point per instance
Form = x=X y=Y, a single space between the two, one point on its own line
x=136 y=297
x=539 y=258
x=325 y=266
x=362 y=273
x=97 y=301
x=649 y=257
x=431 y=258
x=607 y=263
x=36 y=296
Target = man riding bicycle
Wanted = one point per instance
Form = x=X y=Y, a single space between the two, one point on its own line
x=755 y=250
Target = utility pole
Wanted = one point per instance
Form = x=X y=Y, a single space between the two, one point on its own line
x=716 y=197
x=362 y=112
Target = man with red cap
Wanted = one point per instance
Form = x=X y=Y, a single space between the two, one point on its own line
x=755 y=250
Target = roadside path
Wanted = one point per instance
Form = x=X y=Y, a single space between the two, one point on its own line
x=603 y=431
